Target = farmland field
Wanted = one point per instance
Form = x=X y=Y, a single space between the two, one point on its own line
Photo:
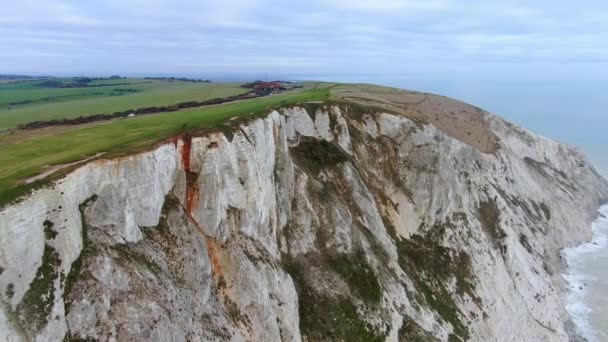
x=26 y=101
x=28 y=157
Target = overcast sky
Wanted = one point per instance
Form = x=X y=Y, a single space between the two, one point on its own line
x=302 y=37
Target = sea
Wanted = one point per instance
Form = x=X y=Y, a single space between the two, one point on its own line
x=587 y=277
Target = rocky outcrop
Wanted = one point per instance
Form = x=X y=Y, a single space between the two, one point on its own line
x=310 y=224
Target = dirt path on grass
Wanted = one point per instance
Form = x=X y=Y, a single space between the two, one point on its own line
x=54 y=168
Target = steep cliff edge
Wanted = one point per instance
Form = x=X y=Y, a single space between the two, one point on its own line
x=323 y=221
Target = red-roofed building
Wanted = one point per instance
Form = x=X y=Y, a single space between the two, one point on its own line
x=266 y=88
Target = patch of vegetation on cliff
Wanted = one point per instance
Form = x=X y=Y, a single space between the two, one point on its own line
x=10 y=290
x=359 y=276
x=541 y=167
x=34 y=309
x=76 y=267
x=256 y=252
x=525 y=243
x=410 y=331
x=489 y=217
x=49 y=232
x=357 y=111
x=314 y=154
x=323 y=318
x=542 y=208
x=390 y=227
x=545 y=210
x=128 y=255
x=431 y=266
x=71 y=338
x=235 y=313
x=454 y=338
x=313 y=107
x=171 y=203
x=37 y=302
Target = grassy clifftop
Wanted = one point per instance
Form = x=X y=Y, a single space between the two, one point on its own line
x=33 y=151
x=25 y=154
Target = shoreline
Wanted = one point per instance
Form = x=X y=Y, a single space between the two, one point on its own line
x=582 y=280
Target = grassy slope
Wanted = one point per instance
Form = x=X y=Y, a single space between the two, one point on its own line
x=27 y=158
x=55 y=103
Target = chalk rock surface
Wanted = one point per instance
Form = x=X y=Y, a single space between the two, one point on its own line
x=319 y=222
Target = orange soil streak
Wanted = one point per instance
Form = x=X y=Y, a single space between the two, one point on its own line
x=191 y=186
x=191 y=202
x=212 y=248
x=186 y=152
x=191 y=192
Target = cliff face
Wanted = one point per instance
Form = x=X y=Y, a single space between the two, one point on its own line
x=319 y=222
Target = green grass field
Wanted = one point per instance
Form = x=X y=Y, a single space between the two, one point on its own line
x=4 y=81
x=28 y=158
x=28 y=101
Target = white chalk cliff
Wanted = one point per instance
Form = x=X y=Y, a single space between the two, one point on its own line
x=319 y=222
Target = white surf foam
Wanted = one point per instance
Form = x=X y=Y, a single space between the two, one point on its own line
x=578 y=280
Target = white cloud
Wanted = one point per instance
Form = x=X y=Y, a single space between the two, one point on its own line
x=27 y=12
x=330 y=35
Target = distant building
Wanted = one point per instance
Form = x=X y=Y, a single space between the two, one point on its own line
x=266 y=88
x=131 y=115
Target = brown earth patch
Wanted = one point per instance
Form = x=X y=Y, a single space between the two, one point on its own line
x=214 y=256
x=457 y=119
